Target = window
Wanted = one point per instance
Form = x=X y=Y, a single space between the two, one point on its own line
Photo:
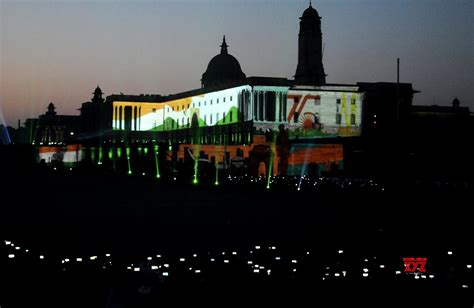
x=204 y=118
x=338 y=105
x=172 y=108
x=210 y=120
x=182 y=121
x=182 y=107
x=297 y=115
x=211 y=102
x=204 y=103
x=338 y=118
x=223 y=117
x=223 y=100
x=231 y=98
x=193 y=105
x=353 y=119
x=188 y=106
x=353 y=101
x=199 y=104
x=217 y=101
x=217 y=117
x=270 y=101
x=154 y=110
x=230 y=116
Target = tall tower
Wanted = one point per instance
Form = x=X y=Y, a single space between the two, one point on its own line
x=310 y=68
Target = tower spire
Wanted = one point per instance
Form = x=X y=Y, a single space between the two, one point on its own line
x=224 y=46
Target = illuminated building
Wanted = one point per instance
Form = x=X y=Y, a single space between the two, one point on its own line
x=278 y=126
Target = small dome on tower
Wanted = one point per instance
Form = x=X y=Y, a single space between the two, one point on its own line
x=98 y=91
x=222 y=68
x=310 y=12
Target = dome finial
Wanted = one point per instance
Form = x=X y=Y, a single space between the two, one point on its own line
x=224 y=46
x=310 y=3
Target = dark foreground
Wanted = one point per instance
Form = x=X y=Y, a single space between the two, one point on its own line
x=317 y=244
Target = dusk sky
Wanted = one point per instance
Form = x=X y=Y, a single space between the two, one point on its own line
x=58 y=51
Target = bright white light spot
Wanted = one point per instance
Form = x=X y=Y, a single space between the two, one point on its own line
x=181 y=259
x=469 y=266
x=79 y=259
x=344 y=273
x=465 y=286
x=450 y=252
x=197 y=271
x=226 y=261
x=107 y=254
x=294 y=261
x=423 y=276
x=223 y=253
x=417 y=277
x=190 y=268
x=256 y=270
x=336 y=274
x=165 y=274
x=273 y=247
x=154 y=267
x=166 y=265
x=277 y=258
x=11 y=256
x=327 y=274
x=66 y=260
x=17 y=248
x=158 y=256
x=257 y=247
x=212 y=260
x=340 y=251
x=93 y=257
x=269 y=272
x=26 y=250
x=294 y=270
x=365 y=270
x=307 y=252
x=398 y=272
x=195 y=255
x=136 y=269
x=431 y=276
x=149 y=258
x=249 y=262
x=382 y=266
x=261 y=267
x=366 y=260
x=7 y=242
x=234 y=253
x=41 y=257
x=129 y=267
x=365 y=274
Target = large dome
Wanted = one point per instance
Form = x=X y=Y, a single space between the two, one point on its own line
x=223 y=68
